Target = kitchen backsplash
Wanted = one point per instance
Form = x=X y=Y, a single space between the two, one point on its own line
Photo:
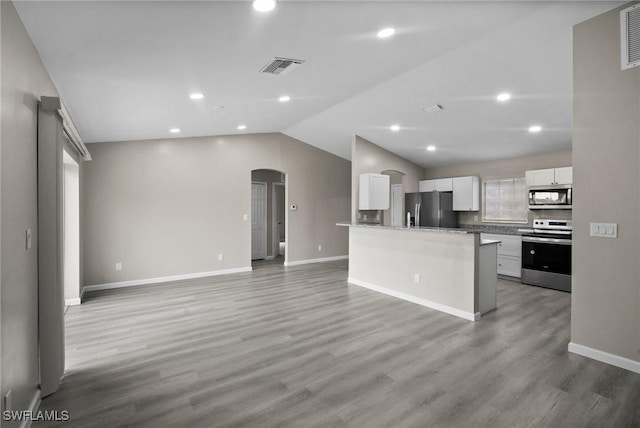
x=476 y=217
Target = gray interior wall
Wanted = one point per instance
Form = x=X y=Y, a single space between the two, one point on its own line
x=504 y=168
x=169 y=207
x=605 y=301
x=269 y=177
x=24 y=80
x=366 y=157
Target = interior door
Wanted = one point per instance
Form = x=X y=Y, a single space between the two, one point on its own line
x=278 y=217
x=258 y=221
x=397 y=196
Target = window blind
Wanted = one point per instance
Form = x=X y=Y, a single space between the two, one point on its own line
x=505 y=200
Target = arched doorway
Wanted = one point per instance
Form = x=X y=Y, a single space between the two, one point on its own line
x=268 y=217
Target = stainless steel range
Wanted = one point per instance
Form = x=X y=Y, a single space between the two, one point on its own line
x=546 y=254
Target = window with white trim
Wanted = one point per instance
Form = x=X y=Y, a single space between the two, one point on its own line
x=505 y=200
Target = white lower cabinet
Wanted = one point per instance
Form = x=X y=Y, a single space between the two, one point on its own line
x=509 y=253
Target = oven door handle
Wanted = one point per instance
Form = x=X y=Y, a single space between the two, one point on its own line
x=546 y=240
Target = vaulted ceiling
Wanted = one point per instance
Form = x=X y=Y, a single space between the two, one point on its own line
x=125 y=70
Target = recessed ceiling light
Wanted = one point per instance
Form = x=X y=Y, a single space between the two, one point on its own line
x=241 y=127
x=196 y=96
x=394 y=128
x=174 y=130
x=284 y=98
x=535 y=128
x=503 y=97
x=431 y=148
x=386 y=32
x=264 y=5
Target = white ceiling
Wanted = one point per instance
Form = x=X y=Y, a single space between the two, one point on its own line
x=125 y=71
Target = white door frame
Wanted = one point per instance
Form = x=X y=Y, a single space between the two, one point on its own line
x=266 y=198
x=395 y=220
x=275 y=235
x=71 y=230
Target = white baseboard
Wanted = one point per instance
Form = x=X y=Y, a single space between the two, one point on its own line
x=324 y=259
x=112 y=285
x=72 y=302
x=424 y=302
x=33 y=408
x=605 y=357
x=269 y=258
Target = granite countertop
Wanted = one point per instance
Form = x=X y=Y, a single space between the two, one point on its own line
x=489 y=241
x=496 y=228
x=410 y=229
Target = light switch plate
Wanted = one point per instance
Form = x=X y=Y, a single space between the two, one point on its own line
x=604 y=230
x=29 y=238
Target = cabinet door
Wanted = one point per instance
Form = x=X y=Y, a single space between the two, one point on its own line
x=444 y=184
x=373 y=192
x=379 y=192
x=426 y=185
x=540 y=177
x=564 y=175
x=466 y=194
x=510 y=266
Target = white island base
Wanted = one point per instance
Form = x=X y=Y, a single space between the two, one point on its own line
x=449 y=270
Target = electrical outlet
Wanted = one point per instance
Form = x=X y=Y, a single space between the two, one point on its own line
x=220 y=257
x=320 y=247
x=8 y=401
x=245 y=217
x=119 y=266
x=416 y=278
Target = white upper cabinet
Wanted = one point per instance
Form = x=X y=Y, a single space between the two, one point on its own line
x=550 y=176
x=426 y=185
x=564 y=175
x=466 y=193
x=541 y=177
x=438 y=185
x=374 y=192
x=444 y=185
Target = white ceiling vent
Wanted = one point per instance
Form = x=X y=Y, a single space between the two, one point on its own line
x=630 y=34
x=433 y=109
x=282 y=65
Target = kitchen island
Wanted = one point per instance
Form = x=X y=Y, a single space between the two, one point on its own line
x=450 y=270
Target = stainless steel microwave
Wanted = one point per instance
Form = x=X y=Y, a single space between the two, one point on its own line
x=554 y=197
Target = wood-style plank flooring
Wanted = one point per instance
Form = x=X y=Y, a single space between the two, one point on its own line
x=299 y=347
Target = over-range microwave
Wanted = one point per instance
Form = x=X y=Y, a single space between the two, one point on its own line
x=553 y=197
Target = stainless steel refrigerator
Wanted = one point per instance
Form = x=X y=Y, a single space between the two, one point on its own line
x=435 y=209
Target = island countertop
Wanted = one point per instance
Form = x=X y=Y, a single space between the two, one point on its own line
x=411 y=229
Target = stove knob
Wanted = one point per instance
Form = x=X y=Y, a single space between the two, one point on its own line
x=532 y=252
